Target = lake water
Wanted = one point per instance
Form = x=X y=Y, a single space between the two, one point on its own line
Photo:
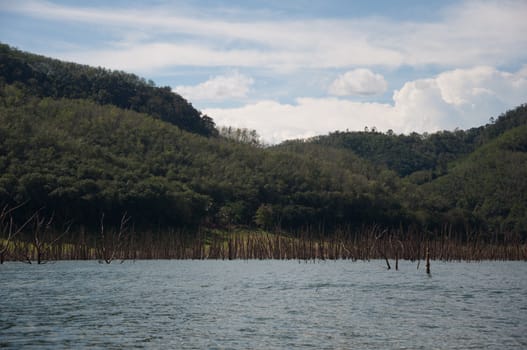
x=263 y=305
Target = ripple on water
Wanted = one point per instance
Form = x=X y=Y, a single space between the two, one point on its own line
x=262 y=304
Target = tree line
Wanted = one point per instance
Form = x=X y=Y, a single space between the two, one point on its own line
x=68 y=154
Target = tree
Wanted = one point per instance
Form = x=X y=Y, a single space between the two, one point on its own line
x=9 y=230
x=264 y=216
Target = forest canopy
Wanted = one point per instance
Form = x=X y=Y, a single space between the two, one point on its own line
x=77 y=142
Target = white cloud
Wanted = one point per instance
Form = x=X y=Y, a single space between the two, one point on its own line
x=478 y=34
x=461 y=86
x=308 y=117
x=467 y=33
x=461 y=98
x=358 y=82
x=219 y=88
x=419 y=106
x=152 y=56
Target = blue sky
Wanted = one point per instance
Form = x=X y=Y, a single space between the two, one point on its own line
x=295 y=69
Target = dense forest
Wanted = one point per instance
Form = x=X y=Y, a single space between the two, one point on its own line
x=45 y=77
x=79 y=143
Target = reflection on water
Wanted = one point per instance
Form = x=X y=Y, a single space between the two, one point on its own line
x=263 y=305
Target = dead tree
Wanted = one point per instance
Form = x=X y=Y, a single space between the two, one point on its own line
x=381 y=250
x=43 y=239
x=112 y=243
x=9 y=230
x=397 y=256
x=427 y=257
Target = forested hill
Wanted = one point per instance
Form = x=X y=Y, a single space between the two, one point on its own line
x=407 y=154
x=77 y=160
x=490 y=183
x=69 y=154
x=462 y=178
x=47 y=77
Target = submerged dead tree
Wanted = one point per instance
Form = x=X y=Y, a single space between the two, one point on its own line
x=111 y=243
x=380 y=243
x=37 y=239
x=9 y=230
x=44 y=238
x=427 y=260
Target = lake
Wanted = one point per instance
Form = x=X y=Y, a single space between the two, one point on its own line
x=263 y=305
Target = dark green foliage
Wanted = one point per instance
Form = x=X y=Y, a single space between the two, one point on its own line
x=46 y=77
x=407 y=154
x=490 y=184
x=507 y=121
x=78 y=159
x=462 y=179
x=404 y=154
x=246 y=136
x=77 y=142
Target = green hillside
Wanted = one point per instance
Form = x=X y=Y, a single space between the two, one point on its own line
x=78 y=159
x=47 y=77
x=465 y=179
x=73 y=155
x=407 y=154
x=490 y=183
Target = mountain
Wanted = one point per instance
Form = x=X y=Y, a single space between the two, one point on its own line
x=46 y=77
x=490 y=183
x=78 y=144
x=78 y=159
x=466 y=179
x=407 y=154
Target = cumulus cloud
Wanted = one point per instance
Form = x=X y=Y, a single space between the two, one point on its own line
x=219 y=88
x=307 y=117
x=461 y=98
x=358 y=82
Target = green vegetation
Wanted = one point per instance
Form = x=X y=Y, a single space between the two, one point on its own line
x=77 y=160
x=45 y=77
x=408 y=154
x=78 y=144
x=489 y=184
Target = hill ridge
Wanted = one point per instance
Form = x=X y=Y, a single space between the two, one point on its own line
x=48 y=77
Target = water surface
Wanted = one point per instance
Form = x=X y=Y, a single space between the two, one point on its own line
x=263 y=305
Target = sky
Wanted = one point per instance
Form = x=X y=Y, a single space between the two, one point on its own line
x=299 y=68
